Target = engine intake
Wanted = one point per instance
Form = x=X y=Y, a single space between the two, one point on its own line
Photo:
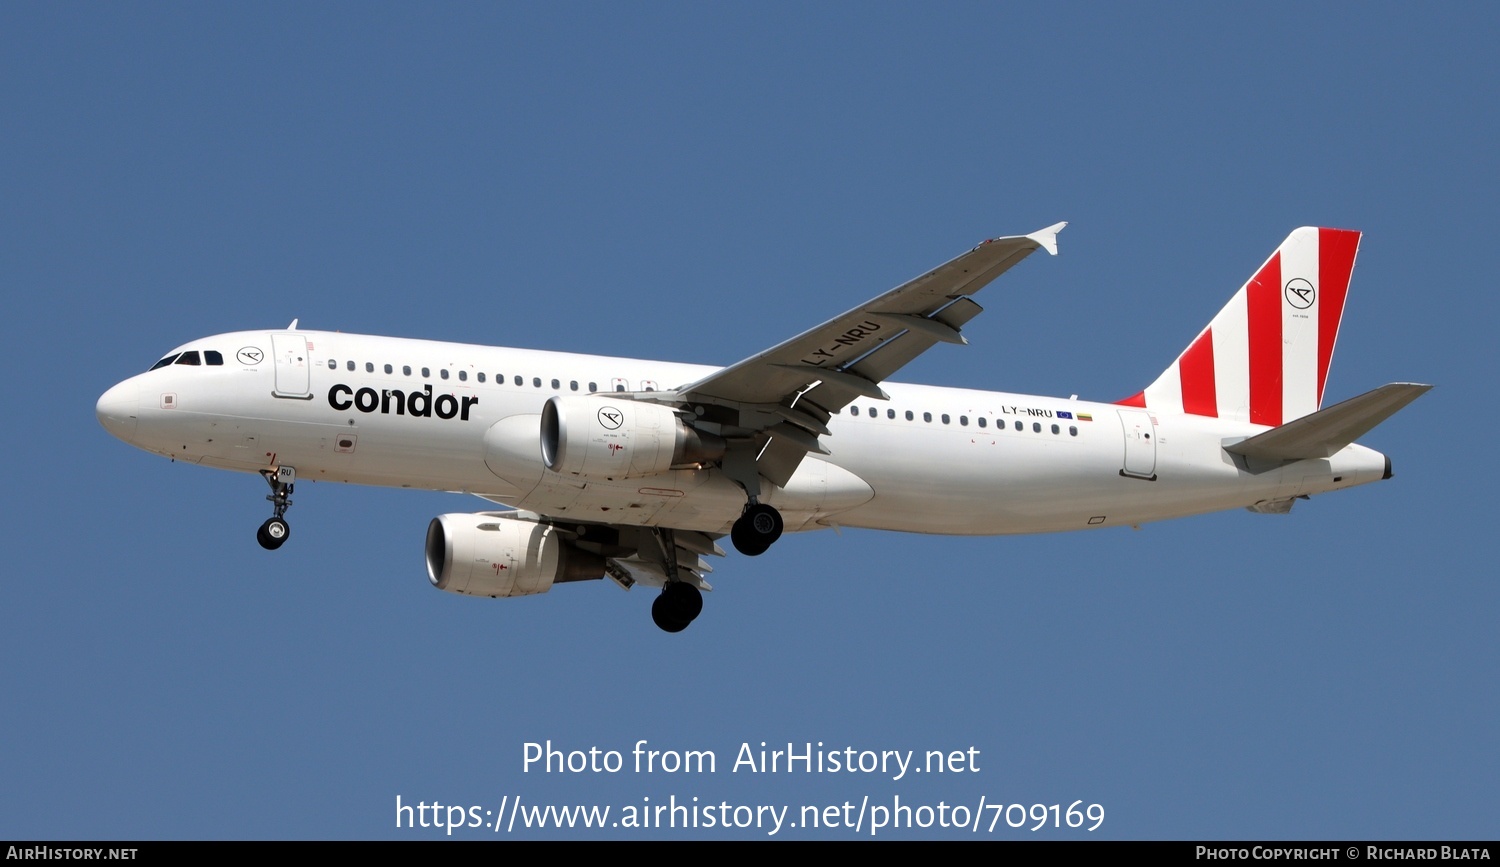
x=605 y=438
x=491 y=555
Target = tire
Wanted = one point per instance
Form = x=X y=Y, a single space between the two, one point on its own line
x=685 y=599
x=273 y=533
x=665 y=618
x=756 y=530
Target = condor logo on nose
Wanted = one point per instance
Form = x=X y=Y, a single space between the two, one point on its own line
x=418 y=403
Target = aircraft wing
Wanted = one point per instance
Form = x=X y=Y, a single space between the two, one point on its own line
x=850 y=354
x=784 y=396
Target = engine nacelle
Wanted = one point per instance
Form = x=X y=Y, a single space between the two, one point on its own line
x=489 y=555
x=605 y=438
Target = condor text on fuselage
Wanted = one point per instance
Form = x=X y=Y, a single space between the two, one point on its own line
x=419 y=404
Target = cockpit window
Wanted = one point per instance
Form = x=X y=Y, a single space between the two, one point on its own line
x=190 y=357
x=165 y=361
x=213 y=357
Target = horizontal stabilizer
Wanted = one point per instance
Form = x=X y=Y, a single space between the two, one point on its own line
x=1325 y=432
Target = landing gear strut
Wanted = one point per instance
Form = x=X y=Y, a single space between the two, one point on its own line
x=275 y=530
x=680 y=601
x=757 y=528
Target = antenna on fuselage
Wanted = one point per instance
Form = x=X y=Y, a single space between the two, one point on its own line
x=293 y=326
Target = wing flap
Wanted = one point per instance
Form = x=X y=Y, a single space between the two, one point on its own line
x=895 y=354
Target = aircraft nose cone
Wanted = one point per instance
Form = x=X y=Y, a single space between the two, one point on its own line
x=118 y=408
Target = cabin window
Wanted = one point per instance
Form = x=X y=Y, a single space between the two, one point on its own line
x=890 y=413
x=463 y=376
x=619 y=386
x=1056 y=429
x=349 y=365
x=854 y=410
x=388 y=369
x=480 y=375
x=873 y=412
x=556 y=385
x=333 y=365
x=927 y=416
x=946 y=420
x=573 y=385
x=536 y=381
x=982 y=422
x=520 y=381
x=1072 y=431
x=963 y=420
x=426 y=374
x=369 y=367
x=1036 y=427
x=1020 y=427
x=593 y=387
x=909 y=415
x=213 y=357
x=406 y=369
x=443 y=373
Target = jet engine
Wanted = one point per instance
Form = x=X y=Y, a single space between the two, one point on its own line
x=496 y=555
x=605 y=438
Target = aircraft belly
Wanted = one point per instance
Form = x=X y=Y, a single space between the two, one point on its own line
x=817 y=492
x=376 y=450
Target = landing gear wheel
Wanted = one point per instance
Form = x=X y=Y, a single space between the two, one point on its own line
x=686 y=598
x=272 y=533
x=679 y=604
x=665 y=617
x=756 y=530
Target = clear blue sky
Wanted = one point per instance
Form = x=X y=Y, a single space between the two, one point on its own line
x=696 y=182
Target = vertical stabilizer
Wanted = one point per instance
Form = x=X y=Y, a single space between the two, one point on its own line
x=1264 y=358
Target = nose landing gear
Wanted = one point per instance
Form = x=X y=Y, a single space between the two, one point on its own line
x=275 y=530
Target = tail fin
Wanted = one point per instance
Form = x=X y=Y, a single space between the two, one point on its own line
x=1264 y=358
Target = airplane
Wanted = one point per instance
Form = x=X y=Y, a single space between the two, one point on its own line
x=634 y=470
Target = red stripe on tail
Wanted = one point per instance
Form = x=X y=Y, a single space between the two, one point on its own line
x=1199 y=394
x=1336 y=249
x=1264 y=303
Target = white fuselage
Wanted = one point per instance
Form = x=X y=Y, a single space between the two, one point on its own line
x=456 y=417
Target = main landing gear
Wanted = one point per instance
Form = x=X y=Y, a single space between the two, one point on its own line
x=757 y=528
x=679 y=604
x=680 y=601
x=275 y=530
